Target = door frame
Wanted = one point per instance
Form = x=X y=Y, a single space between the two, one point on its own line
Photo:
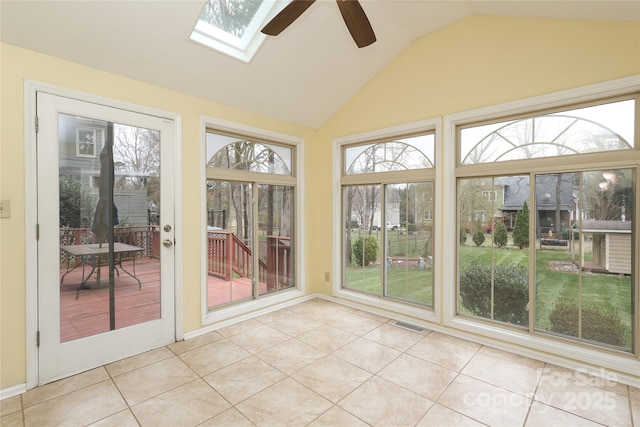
x=31 y=212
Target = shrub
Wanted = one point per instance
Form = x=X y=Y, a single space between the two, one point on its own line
x=500 y=235
x=478 y=236
x=596 y=324
x=463 y=236
x=368 y=254
x=569 y=234
x=475 y=289
x=521 y=228
x=511 y=292
x=77 y=202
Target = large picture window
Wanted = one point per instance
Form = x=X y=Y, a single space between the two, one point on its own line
x=250 y=200
x=548 y=248
x=387 y=218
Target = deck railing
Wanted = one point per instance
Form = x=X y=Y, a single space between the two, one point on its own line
x=228 y=254
x=217 y=260
x=143 y=236
x=279 y=271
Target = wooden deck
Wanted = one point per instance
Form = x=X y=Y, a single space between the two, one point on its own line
x=86 y=312
x=89 y=314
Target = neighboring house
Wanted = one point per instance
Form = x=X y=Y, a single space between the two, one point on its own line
x=495 y=197
x=392 y=214
x=81 y=141
x=611 y=242
x=482 y=202
x=133 y=207
x=516 y=192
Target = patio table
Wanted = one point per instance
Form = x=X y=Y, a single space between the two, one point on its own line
x=94 y=255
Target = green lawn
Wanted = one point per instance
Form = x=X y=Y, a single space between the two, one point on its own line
x=409 y=284
x=610 y=293
x=406 y=282
x=400 y=242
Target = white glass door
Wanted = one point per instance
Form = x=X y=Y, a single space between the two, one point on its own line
x=105 y=246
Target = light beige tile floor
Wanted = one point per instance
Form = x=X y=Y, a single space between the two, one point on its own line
x=322 y=364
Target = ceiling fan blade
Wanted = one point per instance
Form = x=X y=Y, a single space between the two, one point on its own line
x=286 y=16
x=357 y=22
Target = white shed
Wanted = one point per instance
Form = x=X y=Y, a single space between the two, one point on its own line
x=611 y=245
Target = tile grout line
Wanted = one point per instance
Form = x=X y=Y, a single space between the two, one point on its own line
x=289 y=376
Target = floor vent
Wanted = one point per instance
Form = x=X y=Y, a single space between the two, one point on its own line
x=409 y=326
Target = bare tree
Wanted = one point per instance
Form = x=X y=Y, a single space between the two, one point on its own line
x=232 y=16
x=610 y=194
x=561 y=178
x=136 y=152
x=286 y=211
x=136 y=157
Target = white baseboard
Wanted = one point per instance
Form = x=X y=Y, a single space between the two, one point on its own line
x=14 y=390
x=236 y=316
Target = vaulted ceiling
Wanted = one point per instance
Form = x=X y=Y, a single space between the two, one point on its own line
x=302 y=76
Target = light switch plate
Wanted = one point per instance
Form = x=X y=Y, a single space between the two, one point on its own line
x=5 y=209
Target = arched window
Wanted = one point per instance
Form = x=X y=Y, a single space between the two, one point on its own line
x=594 y=129
x=230 y=152
x=388 y=192
x=391 y=156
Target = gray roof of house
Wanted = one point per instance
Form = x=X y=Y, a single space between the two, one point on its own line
x=516 y=191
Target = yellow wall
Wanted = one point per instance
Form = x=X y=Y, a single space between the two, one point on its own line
x=19 y=65
x=482 y=61
x=476 y=62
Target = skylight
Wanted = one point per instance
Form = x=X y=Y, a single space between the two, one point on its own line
x=232 y=26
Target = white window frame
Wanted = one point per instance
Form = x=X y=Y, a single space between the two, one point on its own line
x=523 y=342
x=403 y=311
x=215 y=319
x=490 y=195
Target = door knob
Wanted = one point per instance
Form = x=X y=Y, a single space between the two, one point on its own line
x=167 y=243
x=167 y=228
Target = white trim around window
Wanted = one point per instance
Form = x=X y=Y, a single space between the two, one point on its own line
x=241 y=310
x=404 y=311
